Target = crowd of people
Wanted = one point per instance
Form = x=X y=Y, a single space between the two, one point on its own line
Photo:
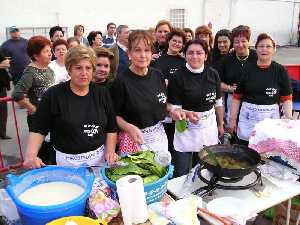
x=91 y=99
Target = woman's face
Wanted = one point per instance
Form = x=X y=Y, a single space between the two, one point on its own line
x=60 y=51
x=175 y=44
x=140 y=54
x=265 y=50
x=161 y=33
x=44 y=57
x=188 y=36
x=98 y=41
x=57 y=35
x=204 y=37
x=81 y=73
x=241 y=45
x=223 y=44
x=102 y=69
x=195 y=56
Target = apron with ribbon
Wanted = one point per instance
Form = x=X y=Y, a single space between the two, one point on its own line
x=196 y=136
x=155 y=139
x=228 y=106
x=251 y=114
x=92 y=158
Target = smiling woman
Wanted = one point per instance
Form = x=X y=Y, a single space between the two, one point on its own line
x=78 y=137
x=139 y=95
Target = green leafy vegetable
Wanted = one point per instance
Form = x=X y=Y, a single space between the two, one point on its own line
x=181 y=125
x=140 y=163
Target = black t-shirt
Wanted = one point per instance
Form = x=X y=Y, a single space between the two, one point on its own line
x=264 y=86
x=140 y=100
x=168 y=64
x=77 y=124
x=194 y=91
x=230 y=67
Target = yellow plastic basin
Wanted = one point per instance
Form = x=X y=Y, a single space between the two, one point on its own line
x=79 y=220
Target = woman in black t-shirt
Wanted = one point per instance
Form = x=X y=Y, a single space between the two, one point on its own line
x=263 y=85
x=162 y=29
x=204 y=33
x=222 y=45
x=168 y=64
x=194 y=93
x=139 y=96
x=232 y=65
x=79 y=116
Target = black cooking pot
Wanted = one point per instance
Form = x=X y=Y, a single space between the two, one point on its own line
x=237 y=152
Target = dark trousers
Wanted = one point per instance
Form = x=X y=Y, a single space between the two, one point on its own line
x=46 y=152
x=170 y=130
x=184 y=162
x=3 y=112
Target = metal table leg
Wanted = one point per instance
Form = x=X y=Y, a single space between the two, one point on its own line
x=288 y=212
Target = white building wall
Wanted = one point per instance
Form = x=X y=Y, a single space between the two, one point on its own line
x=279 y=18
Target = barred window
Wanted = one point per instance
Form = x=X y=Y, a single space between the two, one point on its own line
x=28 y=32
x=177 y=18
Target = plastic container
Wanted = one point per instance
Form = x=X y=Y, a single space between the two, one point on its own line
x=79 y=220
x=40 y=215
x=153 y=191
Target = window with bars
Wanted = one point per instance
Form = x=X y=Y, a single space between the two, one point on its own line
x=28 y=32
x=177 y=17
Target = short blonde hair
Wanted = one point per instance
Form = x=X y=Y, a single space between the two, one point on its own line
x=77 y=53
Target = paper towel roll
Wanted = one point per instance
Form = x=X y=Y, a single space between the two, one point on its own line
x=132 y=199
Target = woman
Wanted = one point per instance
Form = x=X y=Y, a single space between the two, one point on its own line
x=262 y=86
x=189 y=34
x=36 y=79
x=233 y=63
x=103 y=66
x=162 y=29
x=78 y=33
x=168 y=63
x=194 y=93
x=204 y=33
x=95 y=39
x=79 y=138
x=139 y=96
x=222 y=45
x=60 y=48
x=72 y=42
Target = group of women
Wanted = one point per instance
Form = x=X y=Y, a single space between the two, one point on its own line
x=167 y=81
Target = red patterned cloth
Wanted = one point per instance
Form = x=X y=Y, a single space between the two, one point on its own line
x=278 y=137
x=126 y=144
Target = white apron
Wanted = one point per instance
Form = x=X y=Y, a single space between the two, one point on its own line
x=155 y=138
x=251 y=114
x=196 y=136
x=92 y=158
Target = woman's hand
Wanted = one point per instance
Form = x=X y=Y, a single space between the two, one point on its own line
x=111 y=157
x=221 y=130
x=192 y=116
x=178 y=114
x=155 y=56
x=33 y=163
x=136 y=134
x=232 y=126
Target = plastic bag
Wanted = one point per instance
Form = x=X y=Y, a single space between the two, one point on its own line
x=8 y=208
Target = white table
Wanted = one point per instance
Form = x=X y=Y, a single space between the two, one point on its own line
x=254 y=204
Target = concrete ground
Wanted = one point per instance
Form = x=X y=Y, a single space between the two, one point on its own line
x=8 y=148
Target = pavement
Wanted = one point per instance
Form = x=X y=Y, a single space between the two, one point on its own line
x=9 y=148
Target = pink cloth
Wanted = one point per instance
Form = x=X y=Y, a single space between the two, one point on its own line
x=126 y=144
x=278 y=137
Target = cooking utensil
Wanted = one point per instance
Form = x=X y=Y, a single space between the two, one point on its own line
x=237 y=152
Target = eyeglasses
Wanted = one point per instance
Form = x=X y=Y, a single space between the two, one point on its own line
x=265 y=46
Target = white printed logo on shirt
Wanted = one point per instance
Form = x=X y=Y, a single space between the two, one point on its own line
x=211 y=97
x=162 y=98
x=90 y=130
x=271 y=92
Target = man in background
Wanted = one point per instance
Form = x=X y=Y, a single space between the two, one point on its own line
x=15 y=49
x=121 y=60
x=110 y=39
